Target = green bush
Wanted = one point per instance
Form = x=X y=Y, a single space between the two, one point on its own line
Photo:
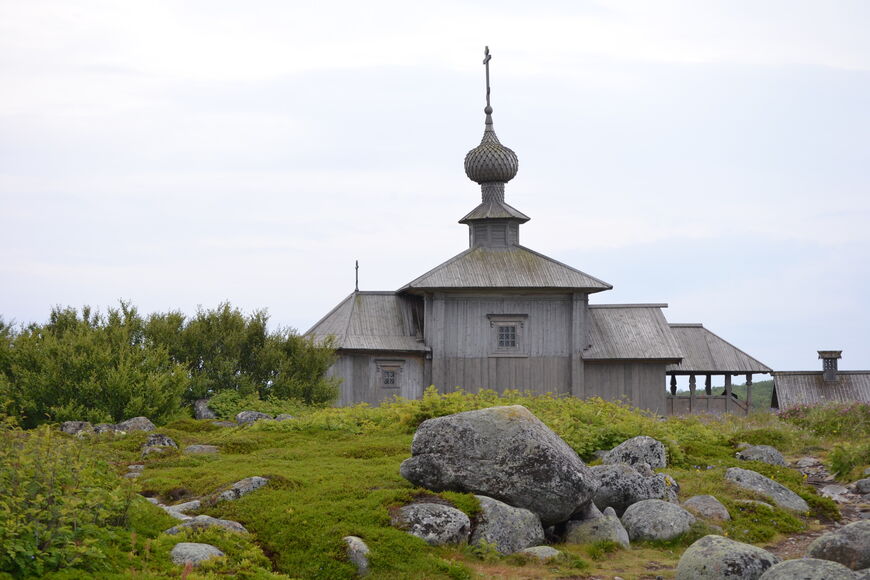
x=847 y=460
x=845 y=420
x=60 y=503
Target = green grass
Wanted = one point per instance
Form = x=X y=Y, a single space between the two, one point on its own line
x=335 y=472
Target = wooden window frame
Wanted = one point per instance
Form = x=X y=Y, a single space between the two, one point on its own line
x=519 y=322
x=396 y=367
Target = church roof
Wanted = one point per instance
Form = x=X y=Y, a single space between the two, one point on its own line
x=509 y=267
x=792 y=389
x=705 y=352
x=371 y=321
x=630 y=332
x=494 y=209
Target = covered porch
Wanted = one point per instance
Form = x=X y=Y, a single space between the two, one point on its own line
x=706 y=355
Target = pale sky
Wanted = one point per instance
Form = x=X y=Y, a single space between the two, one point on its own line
x=708 y=154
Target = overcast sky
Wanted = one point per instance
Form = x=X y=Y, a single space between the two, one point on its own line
x=708 y=154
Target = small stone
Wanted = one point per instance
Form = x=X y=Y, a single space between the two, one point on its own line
x=358 y=554
x=805 y=462
x=808 y=569
x=434 y=523
x=836 y=492
x=542 y=553
x=135 y=467
x=242 y=487
x=284 y=417
x=640 y=449
x=508 y=528
x=136 y=424
x=776 y=492
x=763 y=453
x=160 y=440
x=248 y=417
x=76 y=427
x=202 y=522
x=607 y=527
x=862 y=486
x=201 y=449
x=193 y=553
x=188 y=506
x=707 y=507
x=201 y=410
x=654 y=519
x=152 y=500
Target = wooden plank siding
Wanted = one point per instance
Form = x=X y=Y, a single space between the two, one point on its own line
x=637 y=383
x=358 y=373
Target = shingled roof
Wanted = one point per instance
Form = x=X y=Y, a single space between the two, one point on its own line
x=375 y=321
x=511 y=267
x=795 y=388
x=705 y=352
x=630 y=331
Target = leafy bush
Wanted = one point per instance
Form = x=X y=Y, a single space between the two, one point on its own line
x=227 y=404
x=846 y=420
x=86 y=366
x=847 y=460
x=60 y=503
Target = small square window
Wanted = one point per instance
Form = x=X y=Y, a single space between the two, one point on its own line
x=507 y=336
x=389 y=378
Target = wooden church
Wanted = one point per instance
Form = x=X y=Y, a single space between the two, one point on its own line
x=502 y=316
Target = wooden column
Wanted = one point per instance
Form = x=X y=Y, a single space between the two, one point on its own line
x=748 y=392
x=673 y=385
x=692 y=393
x=727 y=391
x=578 y=343
x=708 y=385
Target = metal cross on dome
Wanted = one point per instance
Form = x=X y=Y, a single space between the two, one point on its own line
x=486 y=58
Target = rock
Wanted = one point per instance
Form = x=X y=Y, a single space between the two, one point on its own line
x=248 y=417
x=805 y=462
x=193 y=553
x=718 y=558
x=284 y=417
x=135 y=467
x=136 y=424
x=849 y=545
x=588 y=511
x=358 y=554
x=174 y=514
x=434 y=523
x=867 y=471
x=188 y=506
x=242 y=487
x=224 y=424
x=105 y=428
x=776 y=492
x=654 y=519
x=542 y=553
x=201 y=449
x=508 y=528
x=622 y=485
x=808 y=569
x=505 y=453
x=763 y=453
x=76 y=427
x=202 y=411
x=203 y=522
x=640 y=449
x=707 y=507
x=160 y=440
x=862 y=486
x=606 y=527
x=862 y=574
x=836 y=492
x=152 y=500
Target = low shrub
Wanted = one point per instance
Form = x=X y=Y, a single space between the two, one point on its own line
x=844 y=420
x=847 y=460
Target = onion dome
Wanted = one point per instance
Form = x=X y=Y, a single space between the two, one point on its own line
x=491 y=162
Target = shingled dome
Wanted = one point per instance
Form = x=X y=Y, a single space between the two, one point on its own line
x=491 y=162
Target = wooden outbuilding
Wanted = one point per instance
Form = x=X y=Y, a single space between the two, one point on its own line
x=828 y=385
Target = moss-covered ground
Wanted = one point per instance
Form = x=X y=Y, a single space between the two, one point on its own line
x=335 y=472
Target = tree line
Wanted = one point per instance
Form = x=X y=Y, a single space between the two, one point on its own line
x=106 y=367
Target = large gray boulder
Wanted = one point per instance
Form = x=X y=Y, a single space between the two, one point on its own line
x=201 y=410
x=707 y=507
x=136 y=424
x=775 y=492
x=193 y=553
x=248 y=417
x=358 y=553
x=508 y=528
x=808 y=569
x=763 y=453
x=436 y=524
x=203 y=522
x=717 y=558
x=606 y=527
x=654 y=519
x=637 y=450
x=242 y=487
x=622 y=485
x=849 y=545
x=505 y=453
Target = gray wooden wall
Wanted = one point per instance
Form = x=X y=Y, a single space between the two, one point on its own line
x=359 y=378
x=640 y=384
